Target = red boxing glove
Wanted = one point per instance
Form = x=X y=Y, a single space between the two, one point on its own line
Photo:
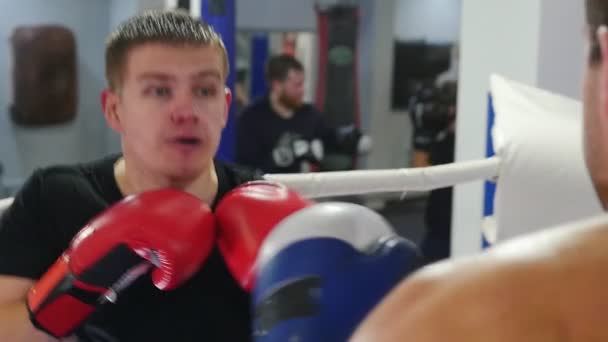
x=168 y=230
x=245 y=217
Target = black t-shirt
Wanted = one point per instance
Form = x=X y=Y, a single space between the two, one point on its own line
x=439 y=208
x=56 y=202
x=263 y=138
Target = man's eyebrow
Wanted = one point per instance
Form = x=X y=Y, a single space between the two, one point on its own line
x=159 y=76
x=155 y=76
x=207 y=74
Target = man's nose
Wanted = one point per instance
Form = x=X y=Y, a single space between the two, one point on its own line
x=184 y=110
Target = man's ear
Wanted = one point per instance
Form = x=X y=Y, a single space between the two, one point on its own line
x=228 y=93
x=602 y=40
x=109 y=104
x=274 y=84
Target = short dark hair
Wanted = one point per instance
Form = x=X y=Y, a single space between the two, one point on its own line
x=597 y=15
x=279 y=66
x=172 y=27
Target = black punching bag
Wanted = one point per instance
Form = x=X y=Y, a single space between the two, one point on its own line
x=44 y=75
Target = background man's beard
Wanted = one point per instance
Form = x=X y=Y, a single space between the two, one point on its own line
x=289 y=102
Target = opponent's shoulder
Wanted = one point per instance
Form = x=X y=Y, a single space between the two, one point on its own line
x=487 y=290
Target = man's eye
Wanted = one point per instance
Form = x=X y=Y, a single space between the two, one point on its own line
x=159 y=91
x=204 y=92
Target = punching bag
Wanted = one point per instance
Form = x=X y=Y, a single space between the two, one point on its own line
x=221 y=15
x=337 y=82
x=44 y=75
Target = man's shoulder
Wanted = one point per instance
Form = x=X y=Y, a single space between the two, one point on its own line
x=309 y=108
x=231 y=175
x=51 y=178
x=261 y=105
x=62 y=173
x=236 y=174
x=50 y=184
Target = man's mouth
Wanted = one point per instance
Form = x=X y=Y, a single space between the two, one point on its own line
x=191 y=141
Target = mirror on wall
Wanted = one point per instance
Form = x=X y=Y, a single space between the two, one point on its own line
x=426 y=35
x=255 y=47
x=424 y=86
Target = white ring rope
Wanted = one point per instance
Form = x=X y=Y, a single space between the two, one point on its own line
x=359 y=182
x=5 y=203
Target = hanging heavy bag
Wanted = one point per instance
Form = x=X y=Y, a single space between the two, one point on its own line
x=44 y=75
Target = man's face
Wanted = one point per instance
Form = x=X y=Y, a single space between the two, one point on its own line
x=596 y=120
x=291 y=90
x=171 y=108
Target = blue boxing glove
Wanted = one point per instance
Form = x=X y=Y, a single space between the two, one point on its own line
x=322 y=269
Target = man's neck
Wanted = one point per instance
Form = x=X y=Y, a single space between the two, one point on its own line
x=133 y=180
x=597 y=170
x=281 y=110
x=602 y=192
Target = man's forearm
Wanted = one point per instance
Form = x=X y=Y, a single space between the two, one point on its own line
x=15 y=325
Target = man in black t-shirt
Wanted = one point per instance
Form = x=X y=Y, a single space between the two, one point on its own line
x=433 y=116
x=167 y=99
x=279 y=133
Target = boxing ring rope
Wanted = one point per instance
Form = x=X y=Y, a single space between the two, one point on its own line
x=5 y=203
x=540 y=173
x=539 y=169
x=359 y=182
